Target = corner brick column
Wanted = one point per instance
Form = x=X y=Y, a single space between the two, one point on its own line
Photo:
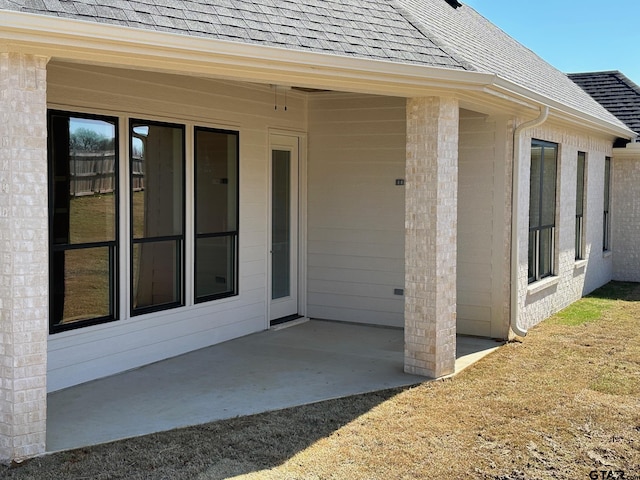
x=23 y=256
x=431 y=236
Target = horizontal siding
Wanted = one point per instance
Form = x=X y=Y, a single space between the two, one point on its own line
x=475 y=225
x=94 y=352
x=355 y=210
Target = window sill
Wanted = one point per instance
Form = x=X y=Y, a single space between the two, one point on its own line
x=607 y=254
x=580 y=264
x=543 y=284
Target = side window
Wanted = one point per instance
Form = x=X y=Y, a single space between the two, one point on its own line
x=157 y=213
x=216 y=214
x=542 y=209
x=83 y=212
x=580 y=175
x=606 y=226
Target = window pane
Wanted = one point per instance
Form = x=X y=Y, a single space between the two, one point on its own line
x=607 y=181
x=548 y=212
x=216 y=206
x=532 y=258
x=580 y=183
x=215 y=266
x=156 y=280
x=281 y=225
x=82 y=286
x=534 y=186
x=216 y=181
x=546 y=252
x=157 y=179
x=84 y=179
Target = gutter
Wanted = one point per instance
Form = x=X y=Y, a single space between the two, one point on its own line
x=108 y=44
x=577 y=116
x=515 y=220
x=100 y=43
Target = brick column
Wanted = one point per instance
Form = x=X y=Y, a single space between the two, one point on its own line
x=23 y=256
x=430 y=238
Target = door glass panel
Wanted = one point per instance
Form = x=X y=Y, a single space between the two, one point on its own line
x=281 y=224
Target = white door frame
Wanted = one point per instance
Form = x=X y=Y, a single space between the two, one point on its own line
x=284 y=138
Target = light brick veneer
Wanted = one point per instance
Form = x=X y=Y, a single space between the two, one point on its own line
x=625 y=211
x=430 y=239
x=23 y=255
x=572 y=279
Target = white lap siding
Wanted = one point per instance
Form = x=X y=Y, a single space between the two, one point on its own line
x=356 y=211
x=92 y=352
x=482 y=203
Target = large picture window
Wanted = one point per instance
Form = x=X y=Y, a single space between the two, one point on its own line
x=157 y=215
x=84 y=211
x=542 y=209
x=580 y=174
x=216 y=213
x=83 y=208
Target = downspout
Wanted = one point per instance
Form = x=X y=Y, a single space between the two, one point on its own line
x=515 y=209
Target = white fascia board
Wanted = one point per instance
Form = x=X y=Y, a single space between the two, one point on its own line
x=76 y=40
x=114 y=45
x=563 y=111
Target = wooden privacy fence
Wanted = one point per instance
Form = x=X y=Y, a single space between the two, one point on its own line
x=94 y=172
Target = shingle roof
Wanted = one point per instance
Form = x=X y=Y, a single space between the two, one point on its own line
x=360 y=28
x=422 y=32
x=615 y=92
x=477 y=42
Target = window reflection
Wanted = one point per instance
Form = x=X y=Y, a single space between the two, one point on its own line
x=157 y=214
x=216 y=205
x=83 y=166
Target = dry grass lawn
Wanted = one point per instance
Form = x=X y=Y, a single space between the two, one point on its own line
x=559 y=405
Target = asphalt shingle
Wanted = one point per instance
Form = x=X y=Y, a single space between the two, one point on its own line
x=335 y=27
x=615 y=92
x=423 y=32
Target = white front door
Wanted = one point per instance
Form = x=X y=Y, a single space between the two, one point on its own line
x=283 y=243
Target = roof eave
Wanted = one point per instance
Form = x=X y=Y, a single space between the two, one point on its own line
x=98 y=43
x=107 y=44
x=563 y=111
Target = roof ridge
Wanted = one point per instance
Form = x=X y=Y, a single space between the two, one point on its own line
x=445 y=46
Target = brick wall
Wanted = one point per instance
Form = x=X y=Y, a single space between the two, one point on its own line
x=572 y=279
x=430 y=248
x=23 y=255
x=625 y=211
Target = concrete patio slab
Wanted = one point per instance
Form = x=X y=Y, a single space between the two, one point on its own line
x=271 y=370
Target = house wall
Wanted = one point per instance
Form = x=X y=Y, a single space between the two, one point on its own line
x=482 y=195
x=83 y=354
x=625 y=212
x=572 y=278
x=356 y=219
x=356 y=213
